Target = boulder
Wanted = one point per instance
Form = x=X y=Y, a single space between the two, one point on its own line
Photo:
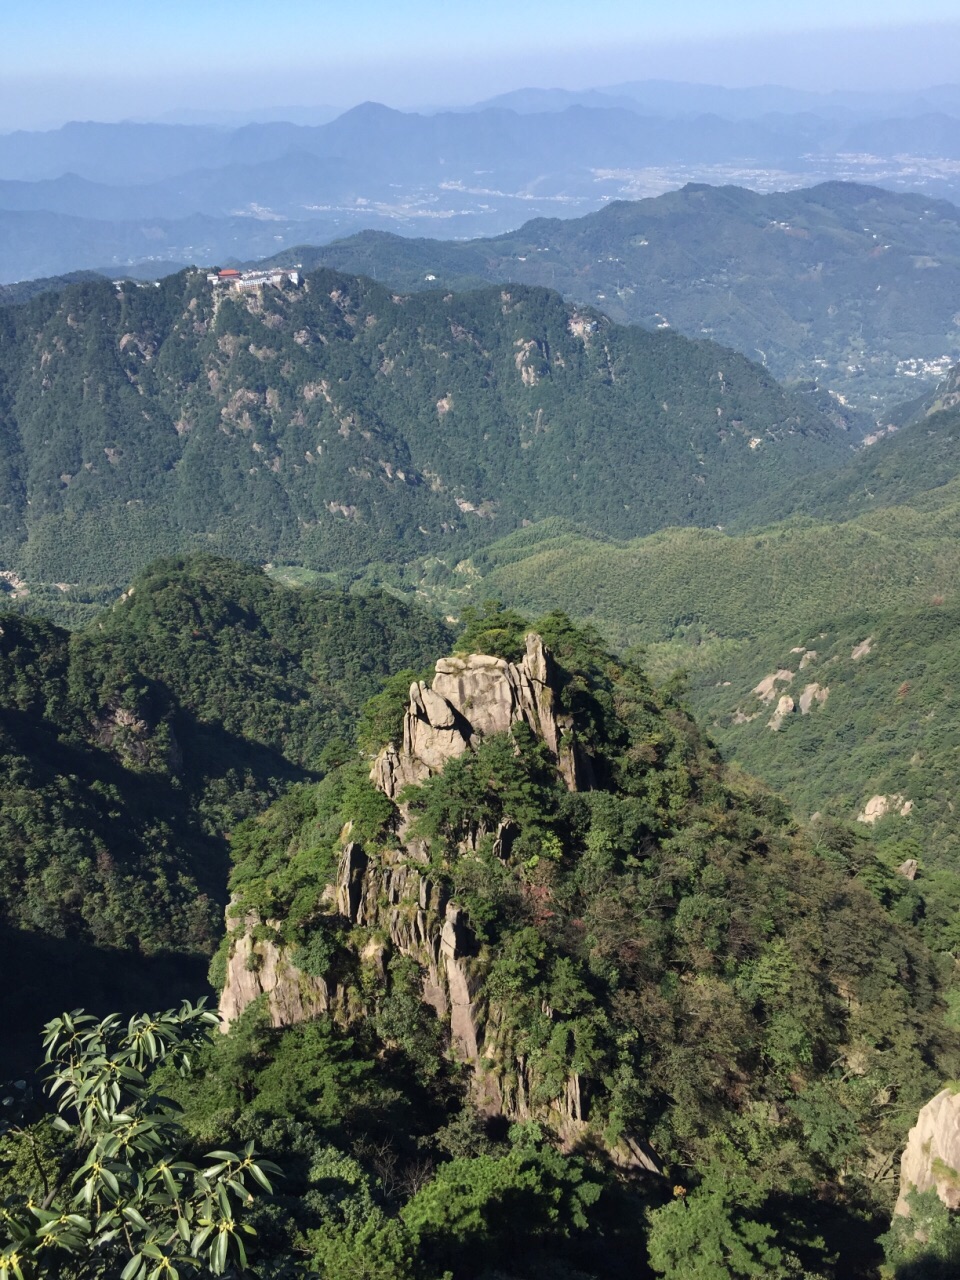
x=812 y=694
x=878 y=807
x=766 y=690
x=785 y=707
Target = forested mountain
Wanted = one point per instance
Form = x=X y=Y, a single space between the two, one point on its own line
x=919 y=453
x=848 y=284
x=27 y=289
x=620 y=945
x=130 y=750
x=335 y=423
x=851 y=286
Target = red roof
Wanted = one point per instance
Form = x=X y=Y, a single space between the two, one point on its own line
x=229 y=272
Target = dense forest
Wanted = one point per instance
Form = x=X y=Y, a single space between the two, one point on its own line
x=130 y=750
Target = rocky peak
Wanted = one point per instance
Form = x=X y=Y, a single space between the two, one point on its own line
x=390 y=894
x=472 y=697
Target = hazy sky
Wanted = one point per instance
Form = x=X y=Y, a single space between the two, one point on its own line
x=105 y=59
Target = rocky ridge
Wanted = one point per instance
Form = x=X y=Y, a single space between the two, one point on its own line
x=472 y=697
x=392 y=895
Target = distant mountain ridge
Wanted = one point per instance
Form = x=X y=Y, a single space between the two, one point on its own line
x=458 y=172
x=672 y=98
x=853 y=286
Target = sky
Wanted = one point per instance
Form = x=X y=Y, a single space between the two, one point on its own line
x=107 y=59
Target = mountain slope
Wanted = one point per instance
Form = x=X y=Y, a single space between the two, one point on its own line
x=130 y=750
x=336 y=423
x=849 y=284
x=879 y=717
x=919 y=454
x=821 y=656
x=732 y=585
x=612 y=939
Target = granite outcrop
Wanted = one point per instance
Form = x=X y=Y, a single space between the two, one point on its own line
x=931 y=1158
x=389 y=894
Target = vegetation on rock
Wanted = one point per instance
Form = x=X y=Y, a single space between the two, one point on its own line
x=664 y=962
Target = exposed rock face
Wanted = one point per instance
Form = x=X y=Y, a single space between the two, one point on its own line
x=811 y=695
x=473 y=697
x=766 y=690
x=390 y=892
x=908 y=869
x=785 y=707
x=878 y=807
x=260 y=967
x=931 y=1159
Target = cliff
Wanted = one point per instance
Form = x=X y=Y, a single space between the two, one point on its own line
x=473 y=697
x=931 y=1158
x=390 y=895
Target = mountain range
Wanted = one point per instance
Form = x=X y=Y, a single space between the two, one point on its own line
x=846 y=287
x=851 y=286
x=91 y=195
x=524 y=972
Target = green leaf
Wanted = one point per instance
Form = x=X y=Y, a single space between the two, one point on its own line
x=200 y=1239
x=136 y=1217
x=133 y=1269
x=260 y=1177
x=241 y=1251
x=218 y=1254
